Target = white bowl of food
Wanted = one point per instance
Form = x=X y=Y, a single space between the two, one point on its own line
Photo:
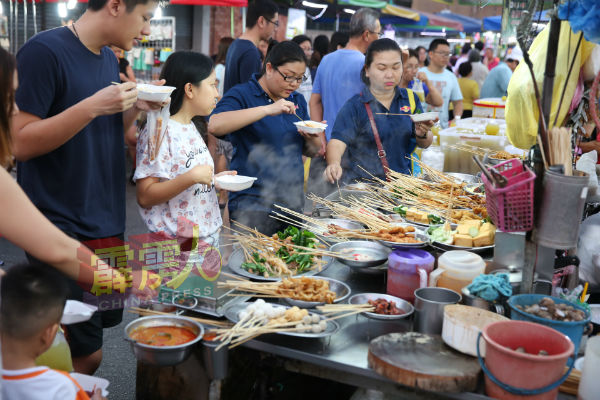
x=310 y=127
x=154 y=93
x=234 y=183
x=428 y=116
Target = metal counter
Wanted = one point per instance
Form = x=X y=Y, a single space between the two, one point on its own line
x=343 y=356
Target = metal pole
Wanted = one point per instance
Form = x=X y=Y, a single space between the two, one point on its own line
x=232 y=24
x=25 y=21
x=11 y=22
x=34 y=17
x=244 y=9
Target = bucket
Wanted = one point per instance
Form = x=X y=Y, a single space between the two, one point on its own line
x=561 y=210
x=573 y=329
x=511 y=375
x=429 y=308
x=215 y=362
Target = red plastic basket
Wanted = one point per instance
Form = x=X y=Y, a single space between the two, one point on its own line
x=511 y=208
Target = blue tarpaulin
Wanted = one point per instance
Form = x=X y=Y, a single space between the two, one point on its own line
x=470 y=25
x=495 y=23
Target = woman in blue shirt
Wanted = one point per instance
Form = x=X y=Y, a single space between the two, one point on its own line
x=258 y=117
x=354 y=137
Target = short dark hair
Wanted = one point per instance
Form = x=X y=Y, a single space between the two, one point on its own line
x=338 y=39
x=33 y=297
x=181 y=68
x=378 y=46
x=260 y=8
x=465 y=69
x=283 y=53
x=413 y=53
x=321 y=45
x=437 y=42
x=299 y=39
x=466 y=48
x=479 y=45
x=96 y=5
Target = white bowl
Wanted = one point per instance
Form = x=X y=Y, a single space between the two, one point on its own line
x=87 y=382
x=234 y=183
x=76 y=311
x=313 y=127
x=153 y=92
x=428 y=116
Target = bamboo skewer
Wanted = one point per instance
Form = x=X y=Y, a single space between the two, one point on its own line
x=144 y=311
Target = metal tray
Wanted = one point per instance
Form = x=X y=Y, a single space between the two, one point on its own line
x=237 y=258
x=231 y=313
x=342 y=291
x=418 y=235
x=364 y=298
x=211 y=305
x=448 y=247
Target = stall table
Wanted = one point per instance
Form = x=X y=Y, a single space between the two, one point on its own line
x=343 y=356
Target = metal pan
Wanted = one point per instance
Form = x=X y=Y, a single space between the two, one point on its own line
x=237 y=258
x=377 y=253
x=232 y=312
x=363 y=298
x=342 y=291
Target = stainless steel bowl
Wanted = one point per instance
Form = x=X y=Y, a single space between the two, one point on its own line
x=163 y=356
x=377 y=253
x=342 y=291
x=463 y=177
x=363 y=298
x=190 y=302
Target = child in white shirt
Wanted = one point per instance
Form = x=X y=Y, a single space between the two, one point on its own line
x=178 y=182
x=33 y=299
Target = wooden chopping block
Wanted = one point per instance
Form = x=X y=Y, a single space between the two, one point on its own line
x=423 y=361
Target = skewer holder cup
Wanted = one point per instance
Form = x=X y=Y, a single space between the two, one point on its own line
x=561 y=210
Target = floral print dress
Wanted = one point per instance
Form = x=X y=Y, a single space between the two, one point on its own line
x=181 y=150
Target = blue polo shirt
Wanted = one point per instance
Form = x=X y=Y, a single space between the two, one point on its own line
x=269 y=149
x=397 y=134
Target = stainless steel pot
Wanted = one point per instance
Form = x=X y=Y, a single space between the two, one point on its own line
x=163 y=356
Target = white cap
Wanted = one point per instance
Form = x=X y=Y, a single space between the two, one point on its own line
x=514 y=54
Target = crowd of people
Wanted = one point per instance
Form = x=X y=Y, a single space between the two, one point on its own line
x=233 y=114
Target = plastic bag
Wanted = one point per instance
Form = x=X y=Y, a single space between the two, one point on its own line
x=587 y=164
x=156 y=125
x=521 y=111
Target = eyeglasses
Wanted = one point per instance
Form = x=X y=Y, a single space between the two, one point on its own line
x=292 y=79
x=379 y=34
x=276 y=23
x=442 y=53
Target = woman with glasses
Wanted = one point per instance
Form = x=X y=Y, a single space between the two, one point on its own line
x=373 y=130
x=431 y=95
x=258 y=117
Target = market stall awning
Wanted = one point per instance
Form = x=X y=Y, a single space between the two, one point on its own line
x=401 y=12
x=227 y=3
x=495 y=23
x=469 y=24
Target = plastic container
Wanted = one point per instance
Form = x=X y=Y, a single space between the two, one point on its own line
x=408 y=270
x=433 y=157
x=512 y=375
x=491 y=107
x=456 y=269
x=561 y=210
x=511 y=207
x=462 y=161
x=573 y=329
x=589 y=385
x=58 y=356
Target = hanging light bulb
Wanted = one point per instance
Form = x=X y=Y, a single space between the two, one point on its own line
x=71 y=4
x=158 y=12
x=62 y=10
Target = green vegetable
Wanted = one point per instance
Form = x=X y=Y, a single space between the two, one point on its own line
x=257 y=265
x=299 y=256
x=440 y=235
x=434 y=219
x=401 y=210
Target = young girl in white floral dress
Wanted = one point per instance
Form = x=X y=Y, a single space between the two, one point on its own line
x=178 y=181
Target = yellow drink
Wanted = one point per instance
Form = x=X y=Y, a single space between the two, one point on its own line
x=435 y=130
x=58 y=356
x=492 y=129
x=421 y=96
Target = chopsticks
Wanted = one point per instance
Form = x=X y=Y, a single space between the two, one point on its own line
x=144 y=311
